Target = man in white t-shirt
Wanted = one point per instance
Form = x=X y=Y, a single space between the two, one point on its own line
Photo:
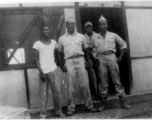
x=45 y=61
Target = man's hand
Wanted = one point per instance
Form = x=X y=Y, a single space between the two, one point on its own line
x=119 y=58
x=121 y=55
x=42 y=76
x=63 y=68
x=96 y=62
x=88 y=64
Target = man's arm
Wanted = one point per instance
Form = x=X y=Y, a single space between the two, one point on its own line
x=87 y=53
x=121 y=55
x=86 y=49
x=123 y=47
x=61 y=56
x=93 y=53
x=36 y=57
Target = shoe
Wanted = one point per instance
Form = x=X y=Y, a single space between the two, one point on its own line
x=42 y=116
x=69 y=113
x=92 y=110
x=102 y=108
x=124 y=105
x=60 y=115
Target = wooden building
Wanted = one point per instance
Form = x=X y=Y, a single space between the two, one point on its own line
x=20 y=28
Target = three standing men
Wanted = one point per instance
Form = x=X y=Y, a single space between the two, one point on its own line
x=105 y=45
x=73 y=45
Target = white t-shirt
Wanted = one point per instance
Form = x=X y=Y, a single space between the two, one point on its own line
x=46 y=55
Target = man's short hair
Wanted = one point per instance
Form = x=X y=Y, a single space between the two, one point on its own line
x=44 y=25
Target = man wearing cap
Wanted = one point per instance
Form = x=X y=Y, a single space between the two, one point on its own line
x=105 y=45
x=72 y=45
x=91 y=71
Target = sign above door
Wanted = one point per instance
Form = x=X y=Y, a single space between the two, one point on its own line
x=101 y=4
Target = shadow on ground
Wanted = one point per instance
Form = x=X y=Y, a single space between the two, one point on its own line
x=141 y=107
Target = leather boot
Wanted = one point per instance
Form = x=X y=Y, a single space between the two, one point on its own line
x=123 y=103
x=92 y=110
x=103 y=106
x=69 y=113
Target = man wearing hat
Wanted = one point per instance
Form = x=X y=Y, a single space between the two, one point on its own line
x=105 y=45
x=91 y=70
x=73 y=45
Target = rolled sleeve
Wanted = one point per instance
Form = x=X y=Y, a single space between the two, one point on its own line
x=84 y=43
x=60 y=46
x=36 y=46
x=121 y=42
x=56 y=45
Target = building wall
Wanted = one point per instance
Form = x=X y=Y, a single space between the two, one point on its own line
x=13 y=89
x=139 y=18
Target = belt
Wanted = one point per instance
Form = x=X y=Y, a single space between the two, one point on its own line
x=107 y=52
x=75 y=56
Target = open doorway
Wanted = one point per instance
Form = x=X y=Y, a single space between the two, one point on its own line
x=116 y=25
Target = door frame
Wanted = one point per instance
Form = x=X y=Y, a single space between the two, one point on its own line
x=124 y=20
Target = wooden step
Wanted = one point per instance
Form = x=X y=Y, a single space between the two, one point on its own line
x=7 y=112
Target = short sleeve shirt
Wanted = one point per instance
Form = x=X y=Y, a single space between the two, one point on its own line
x=90 y=40
x=109 y=43
x=72 y=44
x=46 y=55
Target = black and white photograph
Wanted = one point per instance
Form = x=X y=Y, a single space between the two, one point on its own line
x=75 y=59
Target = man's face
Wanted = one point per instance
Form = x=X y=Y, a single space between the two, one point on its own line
x=70 y=26
x=89 y=29
x=103 y=25
x=45 y=31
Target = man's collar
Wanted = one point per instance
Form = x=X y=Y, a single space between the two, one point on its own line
x=88 y=35
x=70 y=34
x=107 y=32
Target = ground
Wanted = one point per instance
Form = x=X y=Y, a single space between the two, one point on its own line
x=141 y=107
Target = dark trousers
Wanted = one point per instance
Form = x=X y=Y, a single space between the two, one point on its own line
x=53 y=80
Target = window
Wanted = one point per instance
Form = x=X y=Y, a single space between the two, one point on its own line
x=18 y=58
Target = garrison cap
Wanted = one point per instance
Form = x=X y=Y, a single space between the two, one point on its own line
x=102 y=18
x=70 y=19
x=88 y=23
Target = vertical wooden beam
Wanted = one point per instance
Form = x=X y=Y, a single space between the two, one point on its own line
x=128 y=44
x=78 y=18
x=20 y=4
x=27 y=88
x=1 y=42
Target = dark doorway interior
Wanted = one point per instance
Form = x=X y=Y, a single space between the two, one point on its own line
x=115 y=24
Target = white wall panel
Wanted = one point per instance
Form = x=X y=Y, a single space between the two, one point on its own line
x=34 y=89
x=48 y=4
x=139 y=23
x=13 y=89
x=9 y=5
x=142 y=76
x=138 y=3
